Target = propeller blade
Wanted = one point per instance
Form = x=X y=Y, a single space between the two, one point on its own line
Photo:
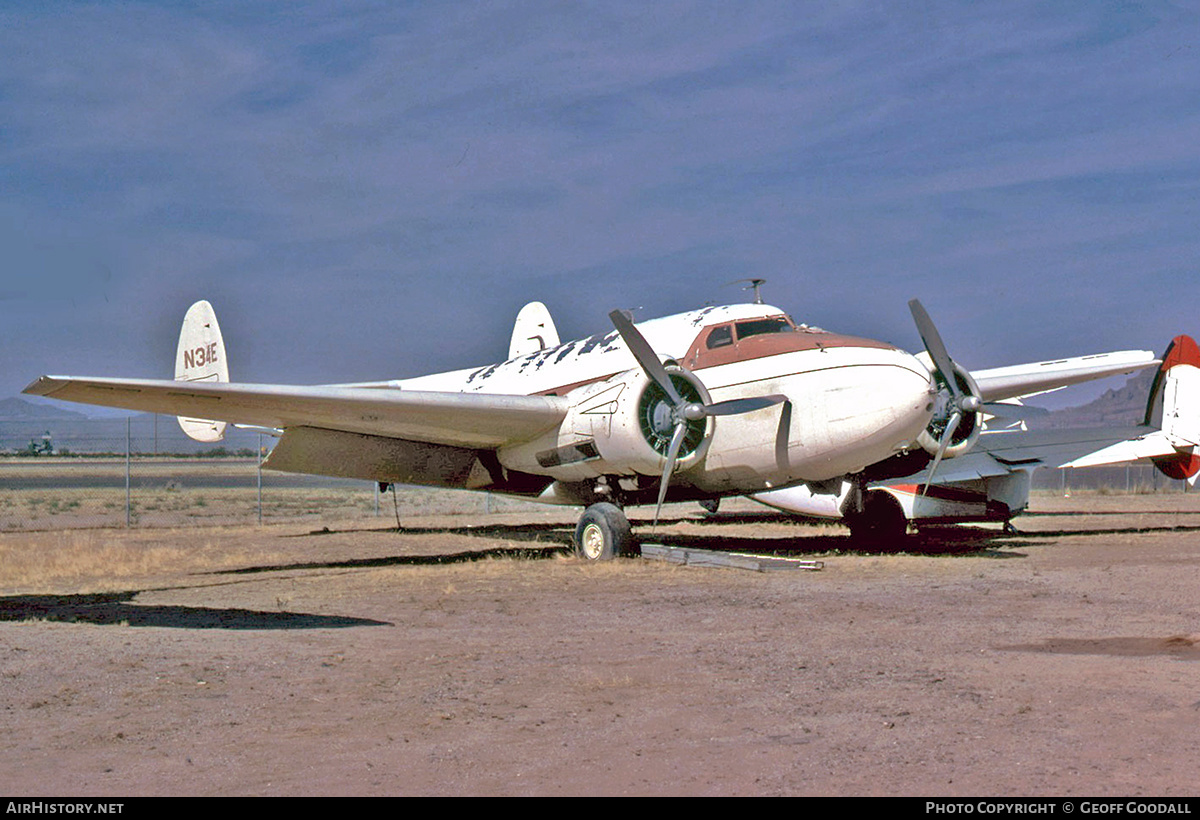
x=684 y=411
x=732 y=407
x=951 y=427
x=645 y=355
x=1012 y=411
x=669 y=467
x=935 y=346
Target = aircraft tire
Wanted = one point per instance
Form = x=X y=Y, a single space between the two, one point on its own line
x=881 y=525
x=603 y=533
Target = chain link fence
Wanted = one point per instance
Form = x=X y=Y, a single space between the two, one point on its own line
x=143 y=472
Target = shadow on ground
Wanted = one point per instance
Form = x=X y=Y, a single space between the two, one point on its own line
x=713 y=533
x=528 y=554
x=1180 y=647
x=546 y=541
x=116 y=608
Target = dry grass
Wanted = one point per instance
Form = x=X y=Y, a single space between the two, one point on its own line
x=171 y=502
x=85 y=561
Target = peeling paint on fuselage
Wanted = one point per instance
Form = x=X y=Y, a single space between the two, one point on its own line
x=584 y=360
x=854 y=402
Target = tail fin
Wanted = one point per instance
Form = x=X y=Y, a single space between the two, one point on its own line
x=1174 y=407
x=200 y=357
x=534 y=331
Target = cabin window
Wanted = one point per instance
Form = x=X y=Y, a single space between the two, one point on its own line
x=758 y=327
x=719 y=337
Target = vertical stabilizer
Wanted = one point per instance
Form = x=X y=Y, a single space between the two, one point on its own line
x=533 y=332
x=200 y=357
x=1174 y=406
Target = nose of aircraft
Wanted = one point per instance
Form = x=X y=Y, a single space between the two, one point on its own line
x=924 y=391
x=903 y=392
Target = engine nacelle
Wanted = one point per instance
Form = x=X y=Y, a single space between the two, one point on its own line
x=622 y=426
x=637 y=433
x=969 y=426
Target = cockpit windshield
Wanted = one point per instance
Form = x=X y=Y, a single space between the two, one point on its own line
x=757 y=327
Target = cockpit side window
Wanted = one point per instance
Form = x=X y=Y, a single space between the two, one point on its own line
x=719 y=337
x=757 y=327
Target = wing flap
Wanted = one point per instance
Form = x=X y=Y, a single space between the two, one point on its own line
x=378 y=458
x=458 y=419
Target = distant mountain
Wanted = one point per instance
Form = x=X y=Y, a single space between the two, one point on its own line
x=1115 y=408
x=15 y=409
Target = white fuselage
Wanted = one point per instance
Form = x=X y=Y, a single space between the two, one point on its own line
x=851 y=402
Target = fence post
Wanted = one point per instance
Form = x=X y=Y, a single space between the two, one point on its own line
x=128 y=516
x=260 y=460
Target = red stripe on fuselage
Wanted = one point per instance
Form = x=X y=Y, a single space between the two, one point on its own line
x=943 y=493
x=699 y=356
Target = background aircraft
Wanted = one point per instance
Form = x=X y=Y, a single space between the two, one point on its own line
x=732 y=400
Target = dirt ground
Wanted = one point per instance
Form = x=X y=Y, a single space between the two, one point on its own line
x=474 y=658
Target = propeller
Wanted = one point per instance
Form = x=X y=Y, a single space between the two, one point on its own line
x=682 y=410
x=960 y=402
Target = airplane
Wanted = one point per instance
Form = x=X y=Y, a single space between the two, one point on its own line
x=734 y=400
x=991 y=477
x=991 y=481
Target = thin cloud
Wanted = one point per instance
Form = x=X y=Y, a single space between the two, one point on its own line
x=383 y=172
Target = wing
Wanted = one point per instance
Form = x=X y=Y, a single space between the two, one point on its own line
x=465 y=420
x=1169 y=438
x=998 y=454
x=1040 y=377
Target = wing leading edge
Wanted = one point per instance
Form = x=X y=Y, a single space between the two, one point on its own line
x=471 y=420
x=999 y=383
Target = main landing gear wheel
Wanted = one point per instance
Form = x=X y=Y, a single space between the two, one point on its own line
x=881 y=525
x=603 y=533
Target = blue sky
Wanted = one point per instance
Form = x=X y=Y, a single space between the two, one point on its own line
x=372 y=190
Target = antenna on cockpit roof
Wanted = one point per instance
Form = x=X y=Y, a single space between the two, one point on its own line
x=755 y=285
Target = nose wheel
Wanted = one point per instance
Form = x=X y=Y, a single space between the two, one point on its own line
x=603 y=533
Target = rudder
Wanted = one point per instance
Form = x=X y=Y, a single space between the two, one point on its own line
x=533 y=331
x=200 y=357
x=1174 y=407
